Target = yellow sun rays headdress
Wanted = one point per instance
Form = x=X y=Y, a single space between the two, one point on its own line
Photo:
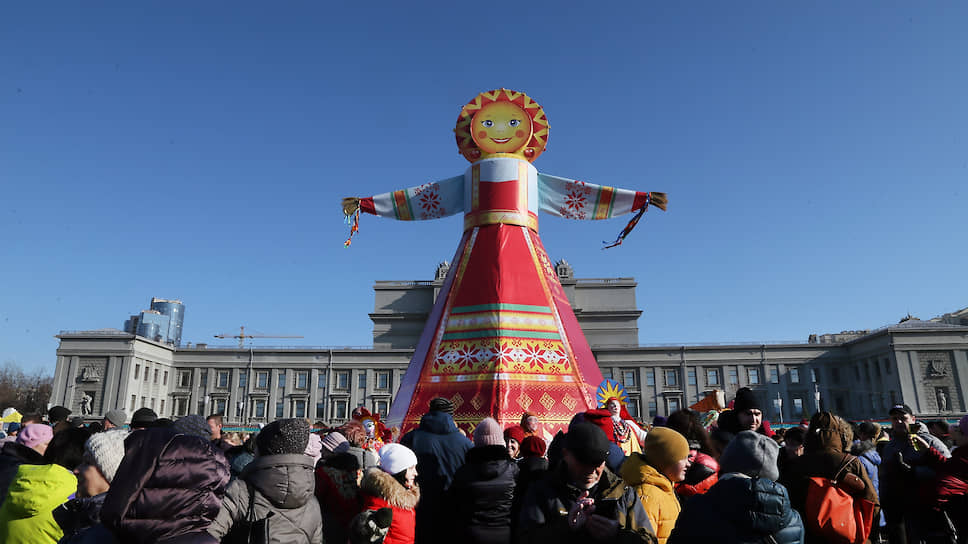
x=611 y=390
x=539 y=138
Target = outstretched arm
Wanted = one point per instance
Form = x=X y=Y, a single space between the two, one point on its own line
x=427 y=201
x=574 y=199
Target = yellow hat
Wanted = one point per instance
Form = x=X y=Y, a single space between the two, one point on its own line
x=664 y=448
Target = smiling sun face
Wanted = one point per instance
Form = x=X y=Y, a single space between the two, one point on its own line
x=501 y=127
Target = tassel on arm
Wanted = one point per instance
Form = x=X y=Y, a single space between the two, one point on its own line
x=351 y=213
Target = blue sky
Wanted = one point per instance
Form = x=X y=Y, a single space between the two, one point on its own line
x=814 y=155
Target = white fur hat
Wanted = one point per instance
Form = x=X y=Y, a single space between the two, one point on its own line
x=395 y=458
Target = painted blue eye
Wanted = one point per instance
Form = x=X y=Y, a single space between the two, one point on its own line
x=514 y=122
x=488 y=123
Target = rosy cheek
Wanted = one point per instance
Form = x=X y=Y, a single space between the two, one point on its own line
x=519 y=134
x=482 y=134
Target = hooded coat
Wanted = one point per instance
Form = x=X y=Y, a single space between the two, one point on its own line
x=283 y=488
x=12 y=455
x=739 y=509
x=482 y=495
x=440 y=449
x=381 y=490
x=27 y=513
x=655 y=491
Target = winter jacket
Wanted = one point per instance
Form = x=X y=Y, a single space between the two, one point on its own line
x=12 y=455
x=168 y=488
x=700 y=476
x=904 y=469
x=338 y=495
x=656 y=493
x=739 y=510
x=481 y=496
x=283 y=489
x=949 y=490
x=77 y=515
x=440 y=449
x=381 y=490
x=27 y=513
x=868 y=456
x=823 y=458
x=544 y=513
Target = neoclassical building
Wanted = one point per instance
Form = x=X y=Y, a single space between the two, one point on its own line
x=859 y=374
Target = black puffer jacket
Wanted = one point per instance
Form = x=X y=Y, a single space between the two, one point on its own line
x=77 y=515
x=11 y=457
x=168 y=488
x=283 y=486
x=481 y=496
x=739 y=509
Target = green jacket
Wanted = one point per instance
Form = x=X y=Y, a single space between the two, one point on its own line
x=26 y=516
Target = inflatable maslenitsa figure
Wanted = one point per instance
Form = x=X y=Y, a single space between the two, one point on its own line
x=502 y=337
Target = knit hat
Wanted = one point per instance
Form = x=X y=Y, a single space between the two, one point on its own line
x=752 y=454
x=58 y=413
x=745 y=400
x=34 y=434
x=395 y=458
x=13 y=427
x=533 y=446
x=314 y=447
x=440 y=404
x=587 y=443
x=117 y=417
x=283 y=436
x=488 y=433
x=194 y=425
x=105 y=451
x=664 y=447
x=335 y=442
x=515 y=432
x=144 y=417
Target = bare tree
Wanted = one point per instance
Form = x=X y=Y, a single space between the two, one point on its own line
x=25 y=392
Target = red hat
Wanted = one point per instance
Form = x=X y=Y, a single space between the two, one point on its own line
x=533 y=446
x=602 y=419
x=515 y=432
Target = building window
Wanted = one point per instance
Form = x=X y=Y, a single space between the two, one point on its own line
x=628 y=378
x=672 y=404
x=144 y=401
x=152 y=403
x=165 y=381
x=754 y=375
x=162 y=407
x=343 y=380
x=302 y=380
x=794 y=375
x=607 y=373
x=650 y=377
x=281 y=380
x=733 y=376
x=181 y=406
x=671 y=378
x=260 y=408
x=204 y=379
x=774 y=375
x=147 y=373
x=383 y=380
x=134 y=401
x=243 y=378
x=691 y=376
x=220 y=407
x=340 y=409
x=156 y=376
x=797 y=408
x=712 y=376
x=300 y=409
x=381 y=407
x=279 y=410
x=320 y=410
x=653 y=407
x=361 y=380
x=813 y=375
x=633 y=407
x=262 y=380
x=223 y=379
x=185 y=378
x=137 y=371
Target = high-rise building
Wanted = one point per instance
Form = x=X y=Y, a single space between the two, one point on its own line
x=162 y=323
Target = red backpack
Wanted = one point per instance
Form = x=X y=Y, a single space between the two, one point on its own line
x=832 y=513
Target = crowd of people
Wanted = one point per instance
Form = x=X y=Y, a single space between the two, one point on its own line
x=692 y=477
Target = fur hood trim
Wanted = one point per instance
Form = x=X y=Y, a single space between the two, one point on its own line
x=380 y=484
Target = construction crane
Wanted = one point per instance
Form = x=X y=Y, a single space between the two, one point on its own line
x=242 y=336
